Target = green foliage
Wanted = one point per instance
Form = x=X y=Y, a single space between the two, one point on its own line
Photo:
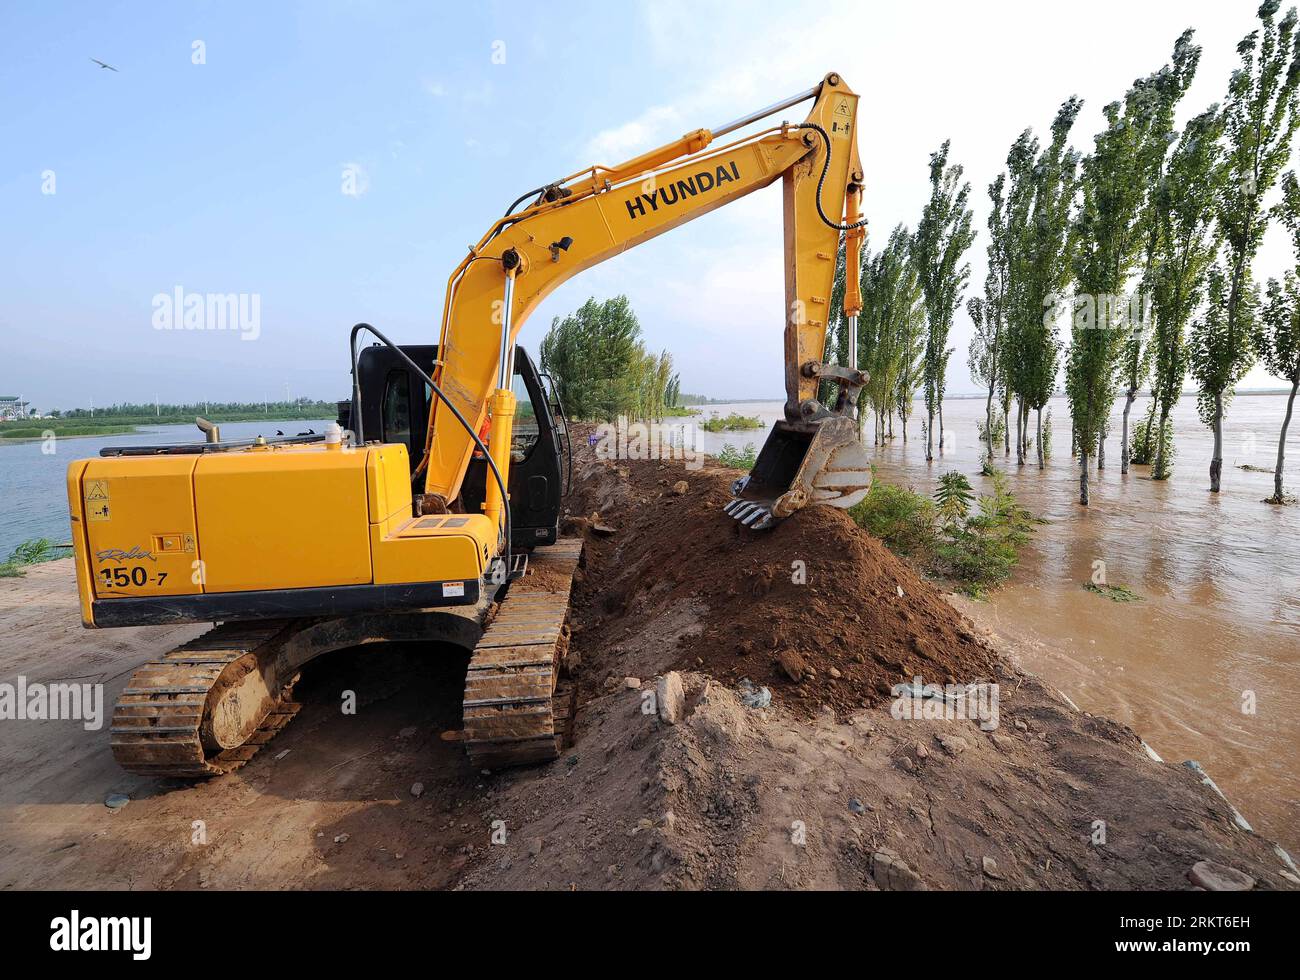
x=1277 y=334
x=37 y=431
x=1277 y=338
x=942 y=238
x=903 y=519
x=999 y=426
x=1260 y=118
x=601 y=368
x=1115 y=593
x=1146 y=442
x=1184 y=246
x=953 y=497
x=728 y=423
x=1218 y=354
x=140 y=413
x=977 y=550
x=31 y=552
x=740 y=459
x=673 y=392
x=1043 y=261
x=889 y=329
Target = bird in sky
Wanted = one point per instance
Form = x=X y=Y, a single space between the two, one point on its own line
x=103 y=64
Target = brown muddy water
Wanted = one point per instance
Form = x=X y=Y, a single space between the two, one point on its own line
x=1206 y=665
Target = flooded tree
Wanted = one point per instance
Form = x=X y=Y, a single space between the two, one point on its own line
x=1184 y=248
x=1277 y=337
x=1260 y=118
x=1157 y=96
x=891 y=290
x=1010 y=195
x=911 y=350
x=1046 y=252
x=938 y=249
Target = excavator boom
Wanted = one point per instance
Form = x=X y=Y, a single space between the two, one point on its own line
x=598 y=213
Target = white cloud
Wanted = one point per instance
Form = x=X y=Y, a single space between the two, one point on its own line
x=619 y=143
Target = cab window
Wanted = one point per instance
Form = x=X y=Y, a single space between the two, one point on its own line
x=525 y=433
x=397 y=408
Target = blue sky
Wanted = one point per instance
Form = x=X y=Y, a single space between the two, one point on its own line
x=227 y=176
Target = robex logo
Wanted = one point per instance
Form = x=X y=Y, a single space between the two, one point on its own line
x=131 y=934
x=676 y=192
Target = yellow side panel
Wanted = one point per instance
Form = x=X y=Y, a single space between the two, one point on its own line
x=139 y=525
x=388 y=479
x=433 y=549
x=283 y=520
x=80 y=554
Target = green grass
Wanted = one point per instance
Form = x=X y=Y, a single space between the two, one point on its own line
x=972 y=542
x=1115 y=593
x=31 y=552
x=730 y=423
x=51 y=425
x=740 y=459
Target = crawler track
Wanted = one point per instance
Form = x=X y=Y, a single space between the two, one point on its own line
x=517 y=709
x=209 y=706
x=163 y=724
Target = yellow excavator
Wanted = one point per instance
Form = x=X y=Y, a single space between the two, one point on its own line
x=298 y=545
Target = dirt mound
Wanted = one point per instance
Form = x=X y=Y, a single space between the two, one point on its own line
x=815 y=609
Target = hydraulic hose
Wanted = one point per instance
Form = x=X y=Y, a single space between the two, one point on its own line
x=821 y=181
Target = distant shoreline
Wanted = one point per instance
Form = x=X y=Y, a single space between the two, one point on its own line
x=135 y=429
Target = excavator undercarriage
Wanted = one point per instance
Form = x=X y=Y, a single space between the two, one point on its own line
x=209 y=706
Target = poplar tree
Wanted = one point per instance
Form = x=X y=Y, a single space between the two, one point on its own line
x=1047 y=247
x=1009 y=197
x=1185 y=246
x=942 y=238
x=1156 y=98
x=1260 y=117
x=1277 y=337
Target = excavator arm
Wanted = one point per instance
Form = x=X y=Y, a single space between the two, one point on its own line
x=601 y=212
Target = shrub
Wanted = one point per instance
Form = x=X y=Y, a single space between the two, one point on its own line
x=740 y=459
x=977 y=551
x=903 y=519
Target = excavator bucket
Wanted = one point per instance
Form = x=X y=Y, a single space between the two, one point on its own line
x=802 y=463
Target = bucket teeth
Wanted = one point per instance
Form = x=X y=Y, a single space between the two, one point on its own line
x=753 y=515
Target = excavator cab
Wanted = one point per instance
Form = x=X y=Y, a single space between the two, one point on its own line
x=395 y=406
